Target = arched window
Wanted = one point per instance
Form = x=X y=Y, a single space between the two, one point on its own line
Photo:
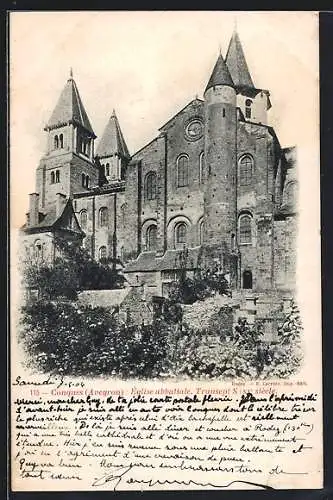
x=201 y=232
x=83 y=219
x=245 y=229
x=61 y=141
x=38 y=250
x=247 y=279
x=245 y=170
x=56 y=142
x=52 y=178
x=248 y=110
x=201 y=167
x=107 y=169
x=83 y=180
x=150 y=186
x=180 y=234
x=102 y=253
x=87 y=181
x=57 y=176
x=182 y=171
x=103 y=217
x=151 y=237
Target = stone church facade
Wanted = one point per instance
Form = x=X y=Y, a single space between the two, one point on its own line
x=214 y=188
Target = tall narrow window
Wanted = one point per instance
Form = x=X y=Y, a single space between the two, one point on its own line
x=245 y=229
x=150 y=186
x=87 y=181
x=248 y=108
x=151 y=238
x=245 y=170
x=57 y=176
x=38 y=250
x=182 y=171
x=103 y=217
x=201 y=232
x=83 y=219
x=107 y=169
x=56 y=142
x=102 y=253
x=52 y=178
x=201 y=167
x=180 y=234
x=247 y=279
x=61 y=141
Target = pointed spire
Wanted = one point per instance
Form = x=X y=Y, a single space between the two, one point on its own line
x=70 y=109
x=71 y=73
x=112 y=140
x=220 y=74
x=236 y=63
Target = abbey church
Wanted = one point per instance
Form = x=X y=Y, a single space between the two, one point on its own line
x=214 y=188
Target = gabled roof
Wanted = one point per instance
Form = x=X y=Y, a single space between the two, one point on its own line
x=112 y=141
x=220 y=74
x=196 y=103
x=70 y=109
x=48 y=219
x=236 y=63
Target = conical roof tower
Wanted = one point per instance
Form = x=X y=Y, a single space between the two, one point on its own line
x=236 y=62
x=220 y=74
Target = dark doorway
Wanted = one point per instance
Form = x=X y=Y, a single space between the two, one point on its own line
x=247 y=279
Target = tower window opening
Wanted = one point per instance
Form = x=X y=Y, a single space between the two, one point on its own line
x=151 y=238
x=83 y=180
x=248 y=108
x=180 y=234
x=87 y=181
x=201 y=232
x=182 y=171
x=150 y=186
x=61 y=141
x=56 y=142
x=57 y=176
x=223 y=113
x=107 y=169
x=247 y=280
x=52 y=178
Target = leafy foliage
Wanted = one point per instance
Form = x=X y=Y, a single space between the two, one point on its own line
x=72 y=270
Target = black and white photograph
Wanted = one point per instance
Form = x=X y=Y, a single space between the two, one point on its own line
x=165 y=196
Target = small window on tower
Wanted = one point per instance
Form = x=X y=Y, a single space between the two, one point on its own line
x=61 y=141
x=83 y=180
x=87 y=181
x=57 y=176
x=52 y=178
x=248 y=110
x=56 y=142
x=107 y=169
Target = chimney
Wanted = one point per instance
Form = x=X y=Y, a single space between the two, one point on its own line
x=34 y=209
x=60 y=203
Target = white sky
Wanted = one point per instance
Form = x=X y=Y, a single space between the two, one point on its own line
x=148 y=65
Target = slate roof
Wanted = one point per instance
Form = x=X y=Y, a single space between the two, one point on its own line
x=220 y=74
x=236 y=62
x=70 y=109
x=48 y=217
x=112 y=141
x=172 y=259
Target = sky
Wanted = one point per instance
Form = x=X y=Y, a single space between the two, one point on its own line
x=148 y=65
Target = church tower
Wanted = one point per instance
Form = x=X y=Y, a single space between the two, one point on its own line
x=67 y=166
x=112 y=151
x=220 y=159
